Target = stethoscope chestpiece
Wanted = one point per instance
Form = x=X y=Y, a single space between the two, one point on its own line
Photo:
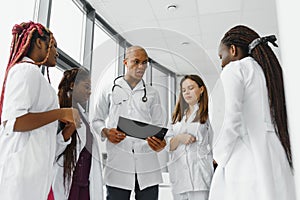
x=144 y=99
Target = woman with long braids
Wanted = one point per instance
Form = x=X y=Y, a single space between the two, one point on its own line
x=29 y=113
x=253 y=149
x=79 y=171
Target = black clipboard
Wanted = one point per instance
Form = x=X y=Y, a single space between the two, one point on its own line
x=139 y=129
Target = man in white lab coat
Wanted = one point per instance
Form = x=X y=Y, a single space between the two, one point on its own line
x=132 y=163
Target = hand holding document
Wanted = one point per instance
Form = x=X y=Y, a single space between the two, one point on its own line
x=139 y=129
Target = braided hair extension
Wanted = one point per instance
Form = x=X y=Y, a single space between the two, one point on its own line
x=241 y=36
x=65 y=89
x=24 y=36
x=181 y=105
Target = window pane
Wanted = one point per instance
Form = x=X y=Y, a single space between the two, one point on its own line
x=105 y=59
x=67 y=23
x=104 y=66
x=56 y=75
x=100 y=36
x=12 y=12
x=160 y=82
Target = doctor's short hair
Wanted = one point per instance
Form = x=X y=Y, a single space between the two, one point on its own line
x=181 y=106
x=131 y=49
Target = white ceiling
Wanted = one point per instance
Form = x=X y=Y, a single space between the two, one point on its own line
x=201 y=23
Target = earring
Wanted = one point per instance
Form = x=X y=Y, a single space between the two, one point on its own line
x=69 y=93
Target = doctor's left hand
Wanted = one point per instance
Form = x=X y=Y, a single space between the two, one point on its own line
x=156 y=144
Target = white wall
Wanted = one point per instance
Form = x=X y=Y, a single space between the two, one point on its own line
x=289 y=41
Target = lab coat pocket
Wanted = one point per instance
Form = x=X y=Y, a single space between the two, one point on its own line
x=15 y=164
x=245 y=140
x=240 y=167
x=111 y=151
x=11 y=143
x=174 y=163
x=177 y=154
x=172 y=172
x=205 y=169
x=119 y=159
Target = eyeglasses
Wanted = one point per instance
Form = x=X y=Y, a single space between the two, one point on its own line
x=138 y=62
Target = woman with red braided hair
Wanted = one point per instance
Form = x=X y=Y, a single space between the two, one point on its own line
x=253 y=148
x=29 y=112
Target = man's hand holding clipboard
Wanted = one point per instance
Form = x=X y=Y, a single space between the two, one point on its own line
x=154 y=135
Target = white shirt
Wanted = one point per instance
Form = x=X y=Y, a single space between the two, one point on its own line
x=191 y=166
x=26 y=158
x=122 y=163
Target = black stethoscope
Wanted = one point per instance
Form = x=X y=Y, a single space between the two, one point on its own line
x=144 y=98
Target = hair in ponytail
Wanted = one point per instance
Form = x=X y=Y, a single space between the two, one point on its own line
x=257 y=47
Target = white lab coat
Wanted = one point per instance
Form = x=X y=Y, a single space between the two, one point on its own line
x=95 y=177
x=122 y=163
x=252 y=161
x=26 y=158
x=191 y=166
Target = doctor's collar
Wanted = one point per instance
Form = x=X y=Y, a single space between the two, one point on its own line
x=120 y=80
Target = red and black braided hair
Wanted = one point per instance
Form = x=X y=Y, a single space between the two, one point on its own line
x=241 y=36
x=24 y=36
